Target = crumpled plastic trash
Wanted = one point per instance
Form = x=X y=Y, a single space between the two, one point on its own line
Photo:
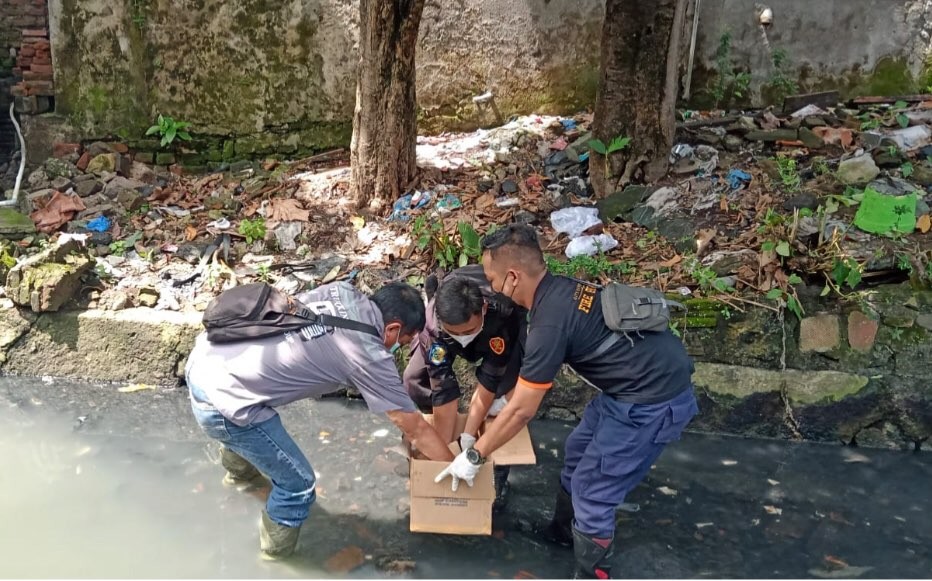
x=68 y=237
x=99 y=224
x=412 y=201
x=286 y=233
x=448 y=203
x=574 y=221
x=737 y=178
x=911 y=138
x=568 y=124
x=590 y=245
x=685 y=159
x=221 y=224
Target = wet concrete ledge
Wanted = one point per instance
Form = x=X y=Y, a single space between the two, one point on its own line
x=867 y=386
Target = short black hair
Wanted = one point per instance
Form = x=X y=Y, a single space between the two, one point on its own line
x=401 y=302
x=515 y=243
x=458 y=299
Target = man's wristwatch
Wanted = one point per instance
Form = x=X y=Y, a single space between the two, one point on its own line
x=474 y=457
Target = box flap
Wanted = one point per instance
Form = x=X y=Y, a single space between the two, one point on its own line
x=423 y=473
x=519 y=451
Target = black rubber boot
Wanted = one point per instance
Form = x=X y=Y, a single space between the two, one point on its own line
x=560 y=529
x=500 y=476
x=276 y=541
x=592 y=559
x=240 y=473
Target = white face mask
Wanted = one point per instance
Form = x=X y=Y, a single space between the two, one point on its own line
x=465 y=340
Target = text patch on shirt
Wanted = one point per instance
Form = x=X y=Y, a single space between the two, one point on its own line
x=584 y=297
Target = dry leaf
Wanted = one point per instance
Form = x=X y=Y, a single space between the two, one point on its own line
x=486 y=200
x=703 y=239
x=190 y=233
x=924 y=223
x=331 y=275
x=672 y=262
x=287 y=210
x=135 y=387
x=773 y=510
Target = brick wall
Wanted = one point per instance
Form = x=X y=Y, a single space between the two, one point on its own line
x=25 y=64
x=25 y=36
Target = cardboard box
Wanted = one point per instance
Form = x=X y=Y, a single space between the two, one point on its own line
x=435 y=508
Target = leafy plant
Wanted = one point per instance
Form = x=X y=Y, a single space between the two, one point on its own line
x=263 y=272
x=445 y=249
x=593 y=267
x=901 y=118
x=820 y=166
x=788 y=297
x=789 y=173
x=781 y=79
x=169 y=130
x=846 y=271
x=705 y=277
x=253 y=230
x=729 y=83
x=906 y=169
x=617 y=144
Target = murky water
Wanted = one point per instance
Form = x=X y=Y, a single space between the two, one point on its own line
x=98 y=483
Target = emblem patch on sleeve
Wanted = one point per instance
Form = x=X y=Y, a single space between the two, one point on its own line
x=497 y=345
x=437 y=354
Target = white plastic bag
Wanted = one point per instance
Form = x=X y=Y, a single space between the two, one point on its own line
x=590 y=245
x=574 y=221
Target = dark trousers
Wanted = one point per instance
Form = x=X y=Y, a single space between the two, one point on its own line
x=612 y=450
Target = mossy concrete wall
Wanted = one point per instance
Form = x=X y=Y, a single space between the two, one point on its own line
x=285 y=70
x=859 y=47
x=274 y=72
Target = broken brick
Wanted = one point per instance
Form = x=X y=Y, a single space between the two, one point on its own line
x=862 y=331
x=60 y=150
x=819 y=333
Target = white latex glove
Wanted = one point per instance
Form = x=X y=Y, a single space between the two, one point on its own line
x=459 y=469
x=497 y=406
x=467 y=441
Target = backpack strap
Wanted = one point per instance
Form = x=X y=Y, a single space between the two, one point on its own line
x=331 y=321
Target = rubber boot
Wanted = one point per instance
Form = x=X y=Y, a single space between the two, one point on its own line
x=500 y=477
x=276 y=541
x=560 y=529
x=592 y=559
x=240 y=473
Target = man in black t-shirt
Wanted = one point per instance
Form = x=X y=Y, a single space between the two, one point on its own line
x=646 y=397
x=466 y=318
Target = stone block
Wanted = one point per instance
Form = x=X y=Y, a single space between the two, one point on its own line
x=61 y=150
x=164 y=158
x=862 y=331
x=46 y=281
x=925 y=321
x=103 y=163
x=819 y=334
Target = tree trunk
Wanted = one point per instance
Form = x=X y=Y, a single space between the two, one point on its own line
x=641 y=45
x=382 y=152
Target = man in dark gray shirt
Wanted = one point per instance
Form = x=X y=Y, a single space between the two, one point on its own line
x=235 y=388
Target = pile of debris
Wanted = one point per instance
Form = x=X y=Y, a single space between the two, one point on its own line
x=750 y=199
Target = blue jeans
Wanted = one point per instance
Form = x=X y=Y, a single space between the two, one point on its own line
x=612 y=450
x=268 y=447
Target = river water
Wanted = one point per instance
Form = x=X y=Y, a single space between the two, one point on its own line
x=97 y=483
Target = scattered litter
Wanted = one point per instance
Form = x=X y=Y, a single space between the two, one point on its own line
x=702 y=525
x=737 y=178
x=448 y=203
x=505 y=202
x=68 y=236
x=286 y=233
x=910 y=138
x=809 y=111
x=772 y=482
x=568 y=124
x=729 y=462
x=846 y=573
x=882 y=214
x=380 y=433
x=667 y=491
x=590 y=245
x=574 y=221
x=221 y=224
x=134 y=387
x=773 y=510
x=99 y=224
